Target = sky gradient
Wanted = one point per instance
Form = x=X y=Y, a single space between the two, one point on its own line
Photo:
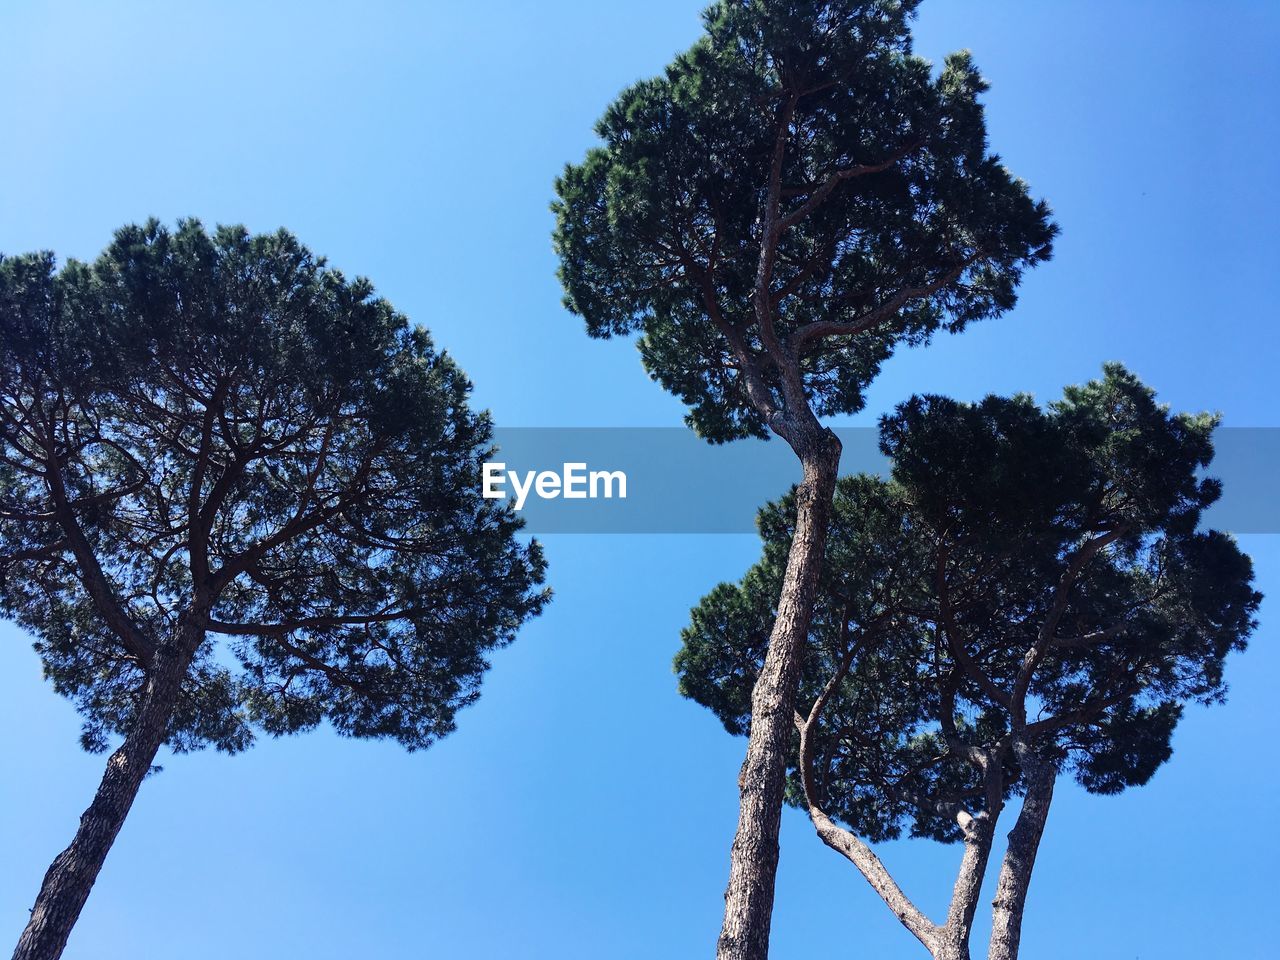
x=582 y=809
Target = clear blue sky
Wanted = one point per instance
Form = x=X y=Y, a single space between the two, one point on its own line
x=582 y=810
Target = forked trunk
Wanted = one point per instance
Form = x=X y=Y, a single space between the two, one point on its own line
x=1020 y=859
x=754 y=857
x=72 y=874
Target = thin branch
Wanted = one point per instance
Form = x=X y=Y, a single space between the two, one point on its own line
x=810 y=333
x=828 y=186
x=91 y=574
x=843 y=841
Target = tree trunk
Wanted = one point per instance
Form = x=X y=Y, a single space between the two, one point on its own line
x=754 y=856
x=1020 y=858
x=72 y=874
x=950 y=949
x=952 y=941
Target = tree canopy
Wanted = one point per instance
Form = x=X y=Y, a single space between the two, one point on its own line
x=222 y=426
x=796 y=196
x=1029 y=587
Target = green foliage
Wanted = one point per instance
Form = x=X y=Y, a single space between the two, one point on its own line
x=1027 y=575
x=795 y=197
x=240 y=436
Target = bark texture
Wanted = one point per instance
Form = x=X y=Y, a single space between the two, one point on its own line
x=850 y=846
x=952 y=938
x=71 y=876
x=1020 y=858
x=754 y=855
x=946 y=941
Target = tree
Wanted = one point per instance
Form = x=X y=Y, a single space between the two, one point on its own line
x=237 y=493
x=1027 y=596
x=795 y=197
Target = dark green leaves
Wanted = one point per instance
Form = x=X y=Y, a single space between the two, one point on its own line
x=794 y=198
x=1029 y=575
x=240 y=434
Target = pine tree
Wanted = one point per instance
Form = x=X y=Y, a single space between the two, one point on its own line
x=796 y=197
x=1028 y=595
x=237 y=494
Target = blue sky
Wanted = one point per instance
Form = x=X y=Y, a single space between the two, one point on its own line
x=582 y=810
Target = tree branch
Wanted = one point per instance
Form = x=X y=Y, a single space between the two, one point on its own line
x=843 y=841
x=828 y=186
x=810 y=333
x=95 y=582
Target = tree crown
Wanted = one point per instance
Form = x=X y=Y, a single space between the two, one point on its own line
x=795 y=197
x=220 y=428
x=1026 y=579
